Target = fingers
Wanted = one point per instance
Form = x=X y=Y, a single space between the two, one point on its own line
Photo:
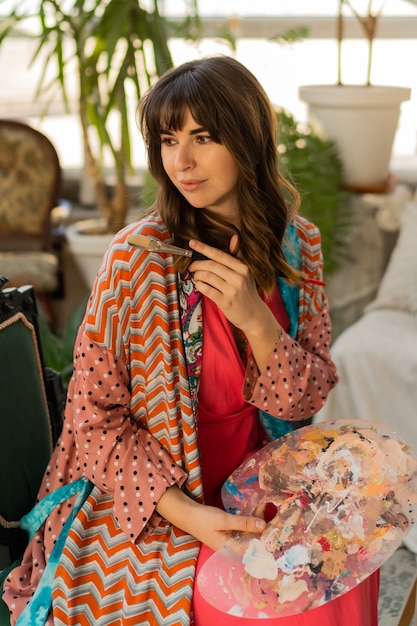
x=214 y=526
x=220 y=269
x=230 y=524
x=252 y=524
x=228 y=260
x=244 y=523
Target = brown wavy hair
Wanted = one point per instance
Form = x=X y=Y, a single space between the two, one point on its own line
x=226 y=99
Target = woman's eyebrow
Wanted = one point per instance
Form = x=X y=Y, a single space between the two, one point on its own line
x=194 y=131
x=200 y=129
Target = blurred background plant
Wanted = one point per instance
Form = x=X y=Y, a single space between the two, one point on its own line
x=368 y=22
x=315 y=167
x=58 y=348
x=112 y=50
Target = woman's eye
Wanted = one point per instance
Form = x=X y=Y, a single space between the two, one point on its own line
x=167 y=141
x=203 y=138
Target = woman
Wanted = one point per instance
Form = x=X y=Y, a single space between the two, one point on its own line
x=184 y=367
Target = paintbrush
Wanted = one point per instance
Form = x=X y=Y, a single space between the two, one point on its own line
x=156 y=245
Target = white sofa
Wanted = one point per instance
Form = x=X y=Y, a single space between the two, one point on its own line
x=376 y=356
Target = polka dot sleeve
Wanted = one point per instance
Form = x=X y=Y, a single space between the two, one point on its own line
x=298 y=376
x=115 y=453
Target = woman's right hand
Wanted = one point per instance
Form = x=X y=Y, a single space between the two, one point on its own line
x=210 y=525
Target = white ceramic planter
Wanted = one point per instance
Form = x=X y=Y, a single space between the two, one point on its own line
x=362 y=120
x=87 y=247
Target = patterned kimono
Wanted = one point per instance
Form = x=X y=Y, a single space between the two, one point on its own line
x=130 y=433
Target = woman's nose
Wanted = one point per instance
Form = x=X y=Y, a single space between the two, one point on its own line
x=184 y=157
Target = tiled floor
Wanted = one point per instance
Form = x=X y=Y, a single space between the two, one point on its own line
x=397 y=576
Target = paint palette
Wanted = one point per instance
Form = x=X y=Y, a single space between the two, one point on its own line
x=340 y=497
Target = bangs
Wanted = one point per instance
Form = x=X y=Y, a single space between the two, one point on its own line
x=166 y=107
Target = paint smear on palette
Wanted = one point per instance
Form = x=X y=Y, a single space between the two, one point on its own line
x=343 y=494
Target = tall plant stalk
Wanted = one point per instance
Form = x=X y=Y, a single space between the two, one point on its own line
x=340 y=33
x=368 y=24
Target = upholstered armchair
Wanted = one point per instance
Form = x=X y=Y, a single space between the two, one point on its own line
x=30 y=177
x=31 y=409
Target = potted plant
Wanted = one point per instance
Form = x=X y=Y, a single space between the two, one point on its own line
x=112 y=50
x=362 y=119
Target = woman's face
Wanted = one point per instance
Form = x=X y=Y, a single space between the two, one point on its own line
x=203 y=171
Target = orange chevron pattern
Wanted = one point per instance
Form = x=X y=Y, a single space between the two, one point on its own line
x=153 y=579
x=111 y=586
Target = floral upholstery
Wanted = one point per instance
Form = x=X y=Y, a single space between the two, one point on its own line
x=29 y=187
x=27 y=177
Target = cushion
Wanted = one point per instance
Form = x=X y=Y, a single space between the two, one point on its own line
x=398 y=287
x=39 y=269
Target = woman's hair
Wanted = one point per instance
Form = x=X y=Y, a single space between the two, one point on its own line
x=226 y=99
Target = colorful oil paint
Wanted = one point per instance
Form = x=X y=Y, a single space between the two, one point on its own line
x=343 y=496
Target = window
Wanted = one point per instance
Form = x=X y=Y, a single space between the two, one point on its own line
x=281 y=68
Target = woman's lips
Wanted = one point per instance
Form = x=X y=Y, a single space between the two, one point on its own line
x=191 y=185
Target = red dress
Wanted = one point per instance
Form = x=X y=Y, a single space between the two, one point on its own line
x=228 y=432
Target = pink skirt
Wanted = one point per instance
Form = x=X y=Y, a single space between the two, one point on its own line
x=358 y=607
